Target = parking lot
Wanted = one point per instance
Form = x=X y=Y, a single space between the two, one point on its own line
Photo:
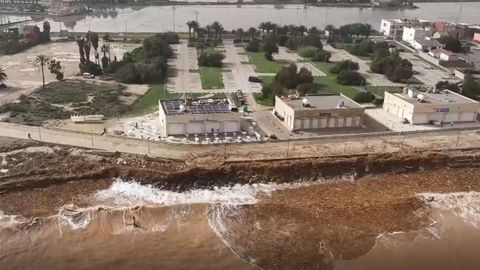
x=426 y=72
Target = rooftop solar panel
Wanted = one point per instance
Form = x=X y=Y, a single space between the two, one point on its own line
x=172 y=107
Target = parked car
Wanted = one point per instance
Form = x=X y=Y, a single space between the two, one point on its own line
x=254 y=79
x=87 y=75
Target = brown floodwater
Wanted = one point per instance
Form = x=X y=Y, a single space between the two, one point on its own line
x=130 y=226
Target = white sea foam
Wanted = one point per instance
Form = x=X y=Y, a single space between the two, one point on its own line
x=133 y=193
x=10 y=220
x=76 y=218
x=464 y=204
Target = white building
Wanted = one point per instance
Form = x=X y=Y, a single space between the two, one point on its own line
x=392 y=28
x=315 y=112
x=411 y=34
x=431 y=107
x=197 y=117
x=426 y=45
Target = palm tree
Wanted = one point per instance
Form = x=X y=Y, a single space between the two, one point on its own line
x=262 y=26
x=217 y=28
x=190 y=26
x=86 y=47
x=195 y=26
x=3 y=76
x=239 y=33
x=81 y=49
x=252 y=32
x=41 y=60
x=209 y=32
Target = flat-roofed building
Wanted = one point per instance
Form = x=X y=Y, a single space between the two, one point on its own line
x=392 y=28
x=316 y=112
x=431 y=107
x=179 y=117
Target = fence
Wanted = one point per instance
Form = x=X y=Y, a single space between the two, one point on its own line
x=309 y=147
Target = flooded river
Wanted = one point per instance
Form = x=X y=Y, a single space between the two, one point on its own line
x=269 y=226
x=173 y=18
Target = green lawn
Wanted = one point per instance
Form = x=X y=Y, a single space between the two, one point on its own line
x=211 y=77
x=263 y=101
x=328 y=84
x=267 y=80
x=149 y=102
x=262 y=65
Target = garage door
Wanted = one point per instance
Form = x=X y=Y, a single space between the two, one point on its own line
x=314 y=123
x=175 y=129
x=209 y=126
x=298 y=124
x=323 y=123
x=231 y=127
x=356 y=121
x=195 y=128
x=467 y=117
x=340 y=122
x=306 y=123
x=348 y=121
x=331 y=122
x=450 y=117
x=420 y=118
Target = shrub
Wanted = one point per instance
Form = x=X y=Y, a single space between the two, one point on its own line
x=344 y=65
x=307 y=52
x=91 y=68
x=127 y=74
x=349 y=77
x=294 y=43
x=253 y=46
x=322 y=56
x=270 y=47
x=363 y=48
x=364 y=97
x=211 y=59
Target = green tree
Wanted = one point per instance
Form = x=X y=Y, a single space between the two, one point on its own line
x=40 y=61
x=270 y=47
x=190 y=27
x=350 y=77
x=451 y=43
x=81 y=49
x=470 y=87
x=56 y=68
x=46 y=31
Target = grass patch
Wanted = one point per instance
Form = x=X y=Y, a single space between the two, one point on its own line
x=262 y=65
x=59 y=100
x=149 y=101
x=380 y=90
x=267 y=80
x=328 y=84
x=263 y=101
x=211 y=77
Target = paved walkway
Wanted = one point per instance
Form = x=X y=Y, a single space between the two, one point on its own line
x=372 y=78
x=312 y=147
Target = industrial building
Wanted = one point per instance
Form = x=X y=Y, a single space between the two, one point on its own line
x=180 y=117
x=316 y=112
x=433 y=107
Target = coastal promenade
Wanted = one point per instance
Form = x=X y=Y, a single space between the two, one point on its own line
x=352 y=144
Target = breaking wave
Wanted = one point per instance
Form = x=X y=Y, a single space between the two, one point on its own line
x=464 y=204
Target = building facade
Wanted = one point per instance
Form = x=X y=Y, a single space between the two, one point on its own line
x=392 y=28
x=197 y=117
x=412 y=34
x=434 y=107
x=317 y=112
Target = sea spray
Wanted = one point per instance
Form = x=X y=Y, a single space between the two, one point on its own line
x=128 y=193
x=464 y=204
